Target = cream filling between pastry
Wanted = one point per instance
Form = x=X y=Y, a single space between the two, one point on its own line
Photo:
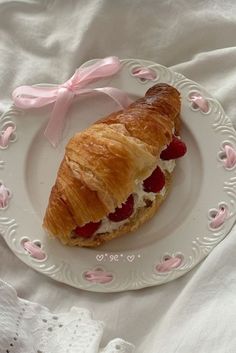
x=140 y=196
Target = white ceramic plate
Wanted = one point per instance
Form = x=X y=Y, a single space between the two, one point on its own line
x=165 y=248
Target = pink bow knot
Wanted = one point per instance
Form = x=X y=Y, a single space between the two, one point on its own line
x=27 y=97
x=68 y=86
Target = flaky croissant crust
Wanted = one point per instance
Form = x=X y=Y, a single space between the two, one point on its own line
x=103 y=163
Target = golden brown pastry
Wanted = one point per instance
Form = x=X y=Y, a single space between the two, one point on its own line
x=96 y=196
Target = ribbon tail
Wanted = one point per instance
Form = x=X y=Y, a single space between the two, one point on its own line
x=27 y=97
x=54 y=129
x=120 y=97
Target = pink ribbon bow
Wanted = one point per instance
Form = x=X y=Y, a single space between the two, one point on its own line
x=27 y=97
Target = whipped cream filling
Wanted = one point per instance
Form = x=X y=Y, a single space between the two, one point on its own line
x=169 y=166
x=140 y=196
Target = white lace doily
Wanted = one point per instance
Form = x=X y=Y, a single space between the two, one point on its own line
x=27 y=327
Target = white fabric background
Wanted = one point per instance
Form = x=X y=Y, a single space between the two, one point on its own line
x=45 y=41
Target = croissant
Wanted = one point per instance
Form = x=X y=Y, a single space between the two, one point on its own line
x=116 y=173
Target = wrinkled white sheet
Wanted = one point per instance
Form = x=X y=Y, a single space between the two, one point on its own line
x=44 y=41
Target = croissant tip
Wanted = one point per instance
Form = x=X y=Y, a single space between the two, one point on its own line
x=161 y=88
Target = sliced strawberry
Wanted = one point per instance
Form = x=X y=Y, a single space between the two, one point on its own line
x=87 y=230
x=123 y=212
x=175 y=149
x=155 y=182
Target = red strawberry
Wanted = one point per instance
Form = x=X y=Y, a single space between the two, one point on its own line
x=87 y=230
x=125 y=211
x=175 y=149
x=155 y=182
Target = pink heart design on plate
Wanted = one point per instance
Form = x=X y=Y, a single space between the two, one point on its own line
x=34 y=250
x=144 y=73
x=169 y=264
x=98 y=276
x=5 y=196
x=228 y=156
x=199 y=102
x=218 y=216
x=5 y=136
